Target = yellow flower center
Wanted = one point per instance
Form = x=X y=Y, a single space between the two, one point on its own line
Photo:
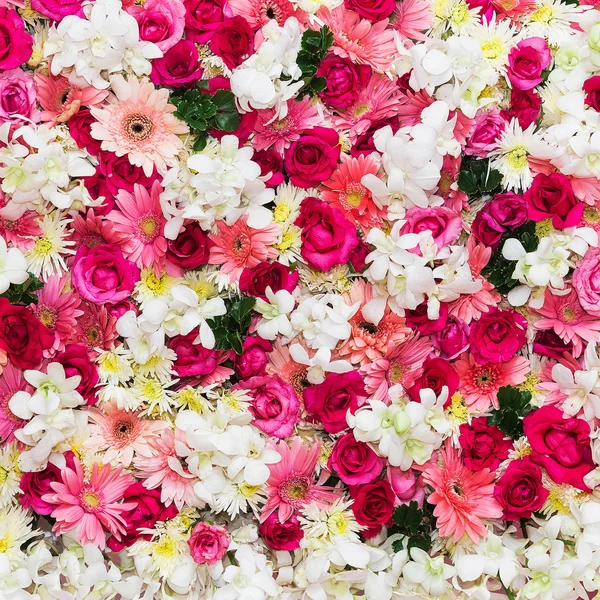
x=543 y=14
x=248 y=490
x=459 y=14
x=492 y=48
x=337 y=524
x=544 y=228
x=282 y=212
x=517 y=158
x=91 y=499
x=43 y=247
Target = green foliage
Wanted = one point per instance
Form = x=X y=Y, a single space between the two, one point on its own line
x=415 y=523
x=314 y=47
x=231 y=328
x=477 y=177
x=23 y=293
x=514 y=404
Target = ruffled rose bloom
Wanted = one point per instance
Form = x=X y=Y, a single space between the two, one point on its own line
x=497 y=336
x=103 y=275
x=15 y=43
x=192 y=359
x=255 y=281
x=57 y=10
x=525 y=106
x=203 y=18
x=160 y=21
x=208 y=543
x=344 y=80
x=549 y=343
x=405 y=485
x=190 y=249
x=281 y=536
x=76 y=362
x=80 y=130
x=275 y=405
x=527 y=61
x=178 y=67
x=586 y=281
x=453 y=339
x=419 y=319
x=445 y=224
x=372 y=10
x=254 y=357
x=436 y=374
x=552 y=197
x=355 y=462
x=17 y=97
x=373 y=505
x=505 y=212
x=489 y=126
x=271 y=164
x=233 y=41
x=591 y=87
x=484 y=446
x=120 y=174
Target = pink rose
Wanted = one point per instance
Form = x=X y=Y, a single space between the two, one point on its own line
x=271 y=165
x=275 y=405
x=253 y=359
x=419 y=319
x=103 y=275
x=551 y=197
x=586 y=281
x=328 y=238
x=498 y=336
x=233 y=41
x=372 y=10
x=203 y=18
x=76 y=361
x=525 y=106
x=355 y=462
x=160 y=21
x=208 y=543
x=405 y=484
x=445 y=224
x=281 y=536
x=178 y=67
x=344 y=81
x=193 y=359
x=527 y=61
x=120 y=174
x=488 y=129
x=57 y=10
x=453 y=339
x=15 y=43
x=17 y=97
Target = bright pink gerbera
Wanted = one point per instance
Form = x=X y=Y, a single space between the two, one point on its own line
x=90 y=506
x=139 y=123
x=95 y=328
x=400 y=365
x=462 y=497
x=141 y=220
x=291 y=484
x=280 y=133
x=237 y=247
x=363 y=42
x=412 y=18
x=259 y=12
x=345 y=192
x=11 y=382
x=91 y=230
x=479 y=384
x=166 y=470
x=121 y=434
x=370 y=342
x=58 y=310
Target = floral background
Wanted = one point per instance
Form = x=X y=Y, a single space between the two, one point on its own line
x=300 y=299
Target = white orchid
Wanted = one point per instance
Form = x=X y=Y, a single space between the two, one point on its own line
x=13 y=266
x=275 y=320
x=319 y=363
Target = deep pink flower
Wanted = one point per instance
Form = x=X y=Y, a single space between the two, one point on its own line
x=208 y=543
x=15 y=43
x=527 y=61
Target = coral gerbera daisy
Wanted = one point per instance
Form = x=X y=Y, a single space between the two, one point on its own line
x=462 y=498
x=90 y=506
x=11 y=382
x=259 y=12
x=291 y=484
x=139 y=123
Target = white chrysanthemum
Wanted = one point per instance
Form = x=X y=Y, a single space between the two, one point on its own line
x=203 y=283
x=158 y=366
x=287 y=202
x=496 y=38
x=154 y=395
x=162 y=555
x=152 y=287
x=454 y=16
x=115 y=365
x=289 y=245
x=10 y=474
x=15 y=530
x=238 y=496
x=330 y=523
x=553 y=20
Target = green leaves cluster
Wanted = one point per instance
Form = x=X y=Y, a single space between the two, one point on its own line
x=231 y=328
x=514 y=404
x=415 y=523
x=202 y=111
x=24 y=292
x=477 y=177
x=314 y=46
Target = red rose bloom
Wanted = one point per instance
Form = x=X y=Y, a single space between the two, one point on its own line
x=355 y=462
x=281 y=536
x=561 y=446
x=75 y=361
x=120 y=174
x=80 y=127
x=190 y=249
x=22 y=336
x=525 y=106
x=233 y=41
x=484 y=446
x=437 y=373
x=344 y=81
x=548 y=343
x=203 y=18
x=178 y=67
x=419 y=319
x=453 y=339
x=497 y=336
x=270 y=163
x=552 y=197
x=253 y=359
x=591 y=87
x=373 y=505
x=255 y=281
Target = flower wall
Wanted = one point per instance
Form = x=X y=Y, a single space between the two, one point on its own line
x=299 y=300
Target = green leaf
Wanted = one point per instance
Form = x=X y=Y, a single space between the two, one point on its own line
x=415 y=524
x=513 y=405
x=231 y=328
x=477 y=177
x=23 y=292
x=314 y=46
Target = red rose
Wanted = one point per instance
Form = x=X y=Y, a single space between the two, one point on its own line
x=552 y=197
x=364 y=143
x=255 y=281
x=372 y=10
x=190 y=249
x=355 y=462
x=121 y=174
x=97 y=186
x=520 y=491
x=80 y=126
x=527 y=61
x=149 y=509
x=497 y=336
x=22 y=336
x=270 y=163
x=233 y=41
x=192 y=359
x=508 y=210
x=202 y=19
x=591 y=87
x=358 y=256
x=561 y=446
x=486 y=230
x=548 y=343
x=525 y=106
x=453 y=339
x=208 y=543
x=253 y=359
x=76 y=361
x=373 y=505
x=328 y=238
x=484 y=446
x=310 y=160
x=178 y=67
x=331 y=400
x=344 y=81
x=419 y=319
x=437 y=373
x=281 y=536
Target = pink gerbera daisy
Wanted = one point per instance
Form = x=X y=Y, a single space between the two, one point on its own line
x=139 y=123
x=345 y=191
x=141 y=220
x=462 y=497
x=58 y=310
x=259 y=12
x=91 y=230
x=237 y=247
x=19 y=232
x=121 y=434
x=11 y=382
x=291 y=484
x=280 y=133
x=412 y=17
x=91 y=506
x=95 y=328
x=400 y=365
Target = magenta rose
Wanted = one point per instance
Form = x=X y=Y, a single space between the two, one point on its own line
x=344 y=81
x=586 y=281
x=552 y=197
x=525 y=106
x=561 y=446
x=373 y=505
x=311 y=160
x=527 y=61
x=76 y=361
x=233 y=41
x=364 y=143
x=548 y=343
x=271 y=164
x=57 y=10
x=453 y=339
x=485 y=229
x=372 y=10
x=487 y=9
x=208 y=543
x=355 y=462
x=148 y=510
x=437 y=373
x=97 y=187
x=489 y=126
x=80 y=127
x=419 y=319
x=17 y=97
x=275 y=405
x=15 y=43
x=328 y=238
x=358 y=256
x=445 y=224
x=102 y=274
x=190 y=249
x=281 y=536
x=520 y=491
x=160 y=21
x=120 y=174
x=483 y=446
x=591 y=87
x=330 y=401
x=178 y=67
x=405 y=485
x=253 y=359
x=192 y=359
x=203 y=18
x=255 y=281
x=497 y=336
x=508 y=210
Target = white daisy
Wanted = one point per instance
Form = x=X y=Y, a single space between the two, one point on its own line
x=10 y=474
x=154 y=394
x=159 y=365
x=151 y=287
x=552 y=19
x=496 y=39
x=239 y=496
x=454 y=16
x=15 y=530
x=115 y=365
